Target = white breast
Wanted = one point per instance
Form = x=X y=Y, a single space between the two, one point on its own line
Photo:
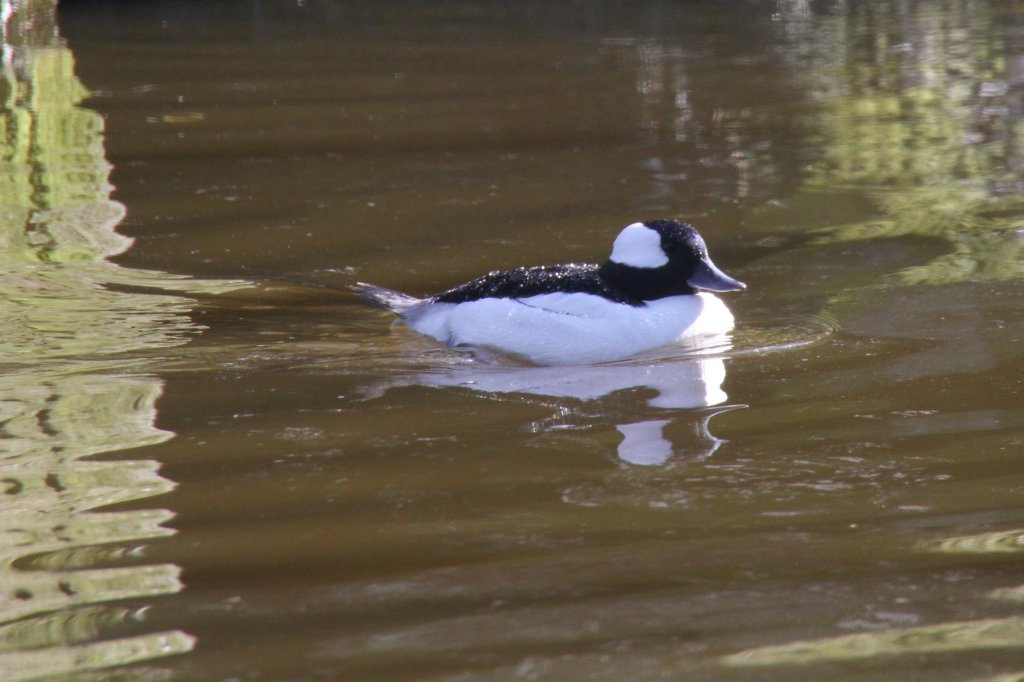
x=570 y=329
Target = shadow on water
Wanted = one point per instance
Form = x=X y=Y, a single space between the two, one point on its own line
x=66 y=391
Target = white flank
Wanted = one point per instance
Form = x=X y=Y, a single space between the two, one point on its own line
x=638 y=246
x=570 y=329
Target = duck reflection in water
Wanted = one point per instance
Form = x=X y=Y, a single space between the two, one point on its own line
x=681 y=384
x=653 y=291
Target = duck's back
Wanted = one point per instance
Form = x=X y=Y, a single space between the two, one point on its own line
x=520 y=283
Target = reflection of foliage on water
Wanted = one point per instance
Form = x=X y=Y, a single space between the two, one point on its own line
x=983 y=543
x=50 y=178
x=919 y=112
x=704 y=140
x=60 y=402
x=918 y=108
x=984 y=232
x=993 y=633
x=994 y=542
x=1007 y=677
x=50 y=422
x=57 y=228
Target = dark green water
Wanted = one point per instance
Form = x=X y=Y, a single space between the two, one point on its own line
x=218 y=464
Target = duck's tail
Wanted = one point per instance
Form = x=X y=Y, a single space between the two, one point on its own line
x=390 y=299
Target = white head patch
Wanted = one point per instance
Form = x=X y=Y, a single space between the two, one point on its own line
x=638 y=246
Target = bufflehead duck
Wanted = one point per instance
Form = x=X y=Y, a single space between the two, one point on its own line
x=649 y=293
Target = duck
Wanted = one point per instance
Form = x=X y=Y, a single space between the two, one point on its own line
x=656 y=288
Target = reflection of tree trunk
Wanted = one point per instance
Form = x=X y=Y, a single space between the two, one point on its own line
x=26 y=25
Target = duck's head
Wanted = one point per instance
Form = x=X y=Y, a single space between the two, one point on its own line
x=659 y=258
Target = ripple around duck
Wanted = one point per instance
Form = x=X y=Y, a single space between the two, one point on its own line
x=773 y=334
x=755 y=336
x=358 y=348
x=327 y=328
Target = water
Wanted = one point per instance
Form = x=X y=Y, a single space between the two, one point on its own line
x=218 y=464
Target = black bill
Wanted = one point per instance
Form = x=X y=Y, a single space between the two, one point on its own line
x=708 y=277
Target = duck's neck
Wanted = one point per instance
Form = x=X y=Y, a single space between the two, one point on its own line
x=644 y=284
